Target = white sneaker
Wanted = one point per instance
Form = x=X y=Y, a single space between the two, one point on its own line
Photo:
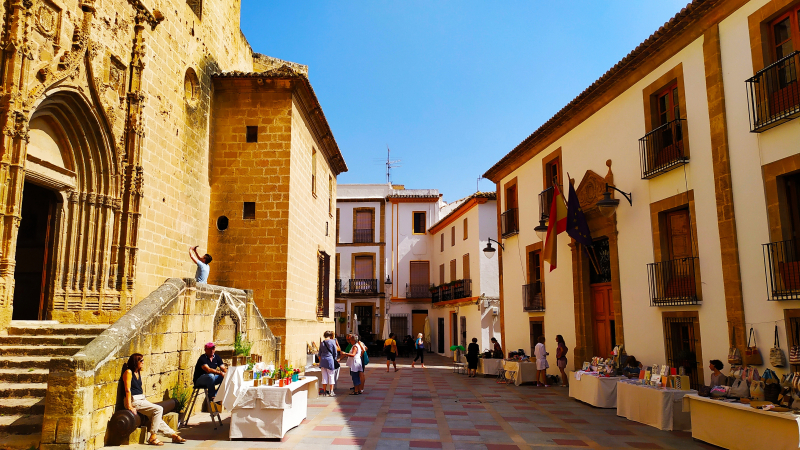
x=332 y=394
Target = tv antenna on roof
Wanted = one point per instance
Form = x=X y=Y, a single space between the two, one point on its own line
x=390 y=164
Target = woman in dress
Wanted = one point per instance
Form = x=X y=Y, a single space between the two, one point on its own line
x=472 y=358
x=561 y=359
x=135 y=401
x=419 y=344
x=354 y=363
x=327 y=357
x=497 y=350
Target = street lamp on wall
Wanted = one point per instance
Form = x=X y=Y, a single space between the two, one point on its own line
x=541 y=229
x=607 y=205
x=489 y=250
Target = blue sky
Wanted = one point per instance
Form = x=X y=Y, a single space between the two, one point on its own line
x=450 y=87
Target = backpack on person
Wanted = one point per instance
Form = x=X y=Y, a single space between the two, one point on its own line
x=364 y=357
x=420 y=345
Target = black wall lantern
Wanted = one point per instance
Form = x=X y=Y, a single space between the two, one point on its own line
x=608 y=205
x=489 y=250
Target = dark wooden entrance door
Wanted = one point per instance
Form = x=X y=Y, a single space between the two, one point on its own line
x=679 y=274
x=441 y=335
x=34 y=245
x=603 y=319
x=679 y=237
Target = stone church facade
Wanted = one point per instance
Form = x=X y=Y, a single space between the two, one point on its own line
x=107 y=161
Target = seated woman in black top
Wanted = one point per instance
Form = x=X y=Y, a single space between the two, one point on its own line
x=472 y=357
x=209 y=370
x=135 y=401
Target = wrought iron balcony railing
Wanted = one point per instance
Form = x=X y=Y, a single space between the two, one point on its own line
x=451 y=291
x=673 y=282
x=782 y=268
x=532 y=297
x=662 y=149
x=509 y=222
x=418 y=291
x=363 y=235
x=773 y=94
x=363 y=286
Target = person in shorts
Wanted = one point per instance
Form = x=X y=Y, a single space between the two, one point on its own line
x=541 y=363
x=390 y=348
x=561 y=359
x=328 y=354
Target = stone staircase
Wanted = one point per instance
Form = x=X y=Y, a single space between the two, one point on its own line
x=24 y=357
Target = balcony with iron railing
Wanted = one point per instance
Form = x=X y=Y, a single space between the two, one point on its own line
x=357 y=286
x=454 y=290
x=782 y=269
x=673 y=282
x=509 y=222
x=532 y=297
x=663 y=149
x=363 y=235
x=418 y=290
x=773 y=94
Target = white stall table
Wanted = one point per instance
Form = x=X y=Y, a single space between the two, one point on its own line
x=597 y=391
x=657 y=407
x=739 y=426
x=270 y=411
x=525 y=371
x=231 y=386
x=488 y=366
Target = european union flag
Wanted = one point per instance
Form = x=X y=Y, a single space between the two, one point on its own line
x=577 y=228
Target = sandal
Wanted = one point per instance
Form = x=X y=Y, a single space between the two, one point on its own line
x=154 y=441
x=177 y=439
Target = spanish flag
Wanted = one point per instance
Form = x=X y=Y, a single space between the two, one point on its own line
x=557 y=224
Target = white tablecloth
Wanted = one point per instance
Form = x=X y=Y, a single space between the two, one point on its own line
x=269 y=411
x=489 y=366
x=232 y=385
x=738 y=426
x=596 y=391
x=525 y=371
x=657 y=407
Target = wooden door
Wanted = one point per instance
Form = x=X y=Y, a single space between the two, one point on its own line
x=679 y=239
x=793 y=204
x=453 y=270
x=603 y=319
x=418 y=323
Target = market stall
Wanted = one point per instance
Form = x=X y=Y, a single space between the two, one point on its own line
x=488 y=366
x=271 y=411
x=737 y=425
x=658 y=407
x=524 y=372
x=591 y=388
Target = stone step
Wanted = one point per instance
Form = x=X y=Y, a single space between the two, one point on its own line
x=52 y=339
x=41 y=350
x=22 y=390
x=31 y=328
x=20 y=441
x=23 y=406
x=21 y=424
x=21 y=375
x=24 y=362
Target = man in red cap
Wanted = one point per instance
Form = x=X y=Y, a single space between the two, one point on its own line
x=209 y=370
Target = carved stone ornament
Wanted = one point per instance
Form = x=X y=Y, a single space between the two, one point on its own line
x=48 y=20
x=590 y=190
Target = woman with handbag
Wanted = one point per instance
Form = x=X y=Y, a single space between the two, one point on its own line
x=327 y=359
x=419 y=344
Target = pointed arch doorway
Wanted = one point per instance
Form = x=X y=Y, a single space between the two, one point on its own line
x=33 y=273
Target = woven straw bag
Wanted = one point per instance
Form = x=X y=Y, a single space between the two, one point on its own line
x=752 y=356
x=776 y=357
x=794 y=350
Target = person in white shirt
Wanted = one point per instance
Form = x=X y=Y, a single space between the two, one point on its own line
x=541 y=363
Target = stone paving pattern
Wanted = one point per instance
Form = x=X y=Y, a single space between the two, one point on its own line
x=435 y=408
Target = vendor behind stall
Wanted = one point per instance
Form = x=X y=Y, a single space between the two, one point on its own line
x=633 y=367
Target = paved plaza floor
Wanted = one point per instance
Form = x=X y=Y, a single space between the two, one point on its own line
x=435 y=408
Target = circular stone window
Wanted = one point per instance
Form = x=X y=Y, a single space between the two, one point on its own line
x=222 y=223
x=191 y=87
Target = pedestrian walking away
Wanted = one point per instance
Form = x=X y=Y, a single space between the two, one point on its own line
x=130 y=383
x=201 y=275
x=419 y=344
x=561 y=359
x=390 y=348
x=472 y=357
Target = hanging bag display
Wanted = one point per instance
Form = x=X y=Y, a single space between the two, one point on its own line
x=739 y=389
x=752 y=357
x=794 y=350
x=776 y=357
x=757 y=390
x=735 y=357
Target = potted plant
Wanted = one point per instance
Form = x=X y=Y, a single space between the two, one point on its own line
x=181 y=394
x=342 y=319
x=241 y=349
